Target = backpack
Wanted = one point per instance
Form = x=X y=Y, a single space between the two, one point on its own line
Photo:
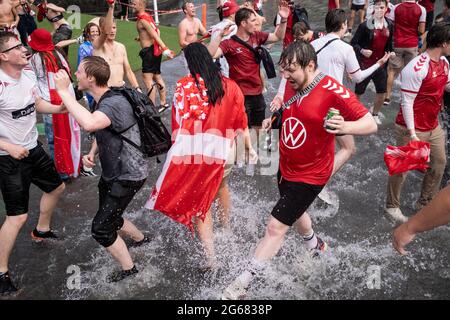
x=261 y=55
x=155 y=138
x=300 y=15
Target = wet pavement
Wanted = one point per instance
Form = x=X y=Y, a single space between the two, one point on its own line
x=360 y=263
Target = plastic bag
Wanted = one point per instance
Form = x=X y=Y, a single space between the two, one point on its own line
x=414 y=156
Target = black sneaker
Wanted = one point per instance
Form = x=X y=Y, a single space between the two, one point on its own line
x=39 y=236
x=6 y=286
x=122 y=274
x=136 y=244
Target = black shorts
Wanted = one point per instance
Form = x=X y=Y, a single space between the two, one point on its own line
x=379 y=78
x=16 y=177
x=295 y=198
x=114 y=198
x=150 y=63
x=356 y=7
x=255 y=107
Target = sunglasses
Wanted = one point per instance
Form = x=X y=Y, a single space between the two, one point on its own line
x=19 y=46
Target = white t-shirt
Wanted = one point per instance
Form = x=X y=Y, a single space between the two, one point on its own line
x=336 y=58
x=17 y=110
x=215 y=30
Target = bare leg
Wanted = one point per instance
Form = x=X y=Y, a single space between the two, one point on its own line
x=8 y=234
x=161 y=88
x=379 y=99
x=206 y=235
x=346 y=151
x=269 y=246
x=148 y=80
x=351 y=20
x=131 y=230
x=120 y=252
x=392 y=75
x=224 y=208
x=48 y=204
x=361 y=15
x=304 y=225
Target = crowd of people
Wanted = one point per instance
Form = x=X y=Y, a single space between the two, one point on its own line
x=222 y=92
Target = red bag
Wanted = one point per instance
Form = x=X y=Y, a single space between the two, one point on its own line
x=414 y=156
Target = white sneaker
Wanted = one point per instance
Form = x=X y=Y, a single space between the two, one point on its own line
x=395 y=215
x=377 y=120
x=235 y=291
x=325 y=196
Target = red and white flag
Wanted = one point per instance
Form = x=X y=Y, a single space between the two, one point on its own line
x=202 y=137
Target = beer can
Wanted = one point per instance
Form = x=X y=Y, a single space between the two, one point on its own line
x=331 y=113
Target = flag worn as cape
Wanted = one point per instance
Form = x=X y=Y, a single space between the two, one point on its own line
x=202 y=137
x=66 y=131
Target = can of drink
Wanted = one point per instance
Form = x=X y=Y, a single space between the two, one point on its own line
x=331 y=113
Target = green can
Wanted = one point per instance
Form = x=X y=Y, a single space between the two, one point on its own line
x=331 y=113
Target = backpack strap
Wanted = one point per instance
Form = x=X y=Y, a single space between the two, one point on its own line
x=245 y=44
x=326 y=44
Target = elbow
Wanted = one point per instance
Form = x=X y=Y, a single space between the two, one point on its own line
x=89 y=126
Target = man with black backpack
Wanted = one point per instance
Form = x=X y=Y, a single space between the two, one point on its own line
x=244 y=61
x=124 y=167
x=297 y=14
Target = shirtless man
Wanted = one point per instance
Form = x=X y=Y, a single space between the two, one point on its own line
x=9 y=19
x=153 y=49
x=189 y=27
x=113 y=52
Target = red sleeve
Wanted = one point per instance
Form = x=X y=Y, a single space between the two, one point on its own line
x=225 y=46
x=349 y=106
x=261 y=37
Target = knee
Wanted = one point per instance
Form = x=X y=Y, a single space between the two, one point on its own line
x=102 y=234
x=17 y=222
x=60 y=190
x=275 y=231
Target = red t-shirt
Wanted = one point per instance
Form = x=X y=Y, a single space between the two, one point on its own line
x=331 y=4
x=289 y=35
x=407 y=16
x=424 y=80
x=243 y=67
x=380 y=38
x=306 y=149
x=427 y=4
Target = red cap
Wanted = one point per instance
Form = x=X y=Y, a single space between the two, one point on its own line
x=41 y=40
x=230 y=8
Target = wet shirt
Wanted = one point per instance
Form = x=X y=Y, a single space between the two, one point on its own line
x=423 y=85
x=119 y=159
x=243 y=66
x=306 y=149
x=379 y=41
x=407 y=16
x=18 y=110
x=336 y=58
x=427 y=4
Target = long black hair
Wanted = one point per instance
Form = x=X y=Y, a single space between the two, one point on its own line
x=201 y=63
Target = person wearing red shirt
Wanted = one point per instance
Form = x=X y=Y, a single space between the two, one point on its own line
x=409 y=22
x=244 y=69
x=429 y=8
x=333 y=4
x=306 y=153
x=423 y=82
x=372 y=39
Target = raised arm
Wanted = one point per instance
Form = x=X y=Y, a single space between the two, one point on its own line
x=106 y=28
x=280 y=31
